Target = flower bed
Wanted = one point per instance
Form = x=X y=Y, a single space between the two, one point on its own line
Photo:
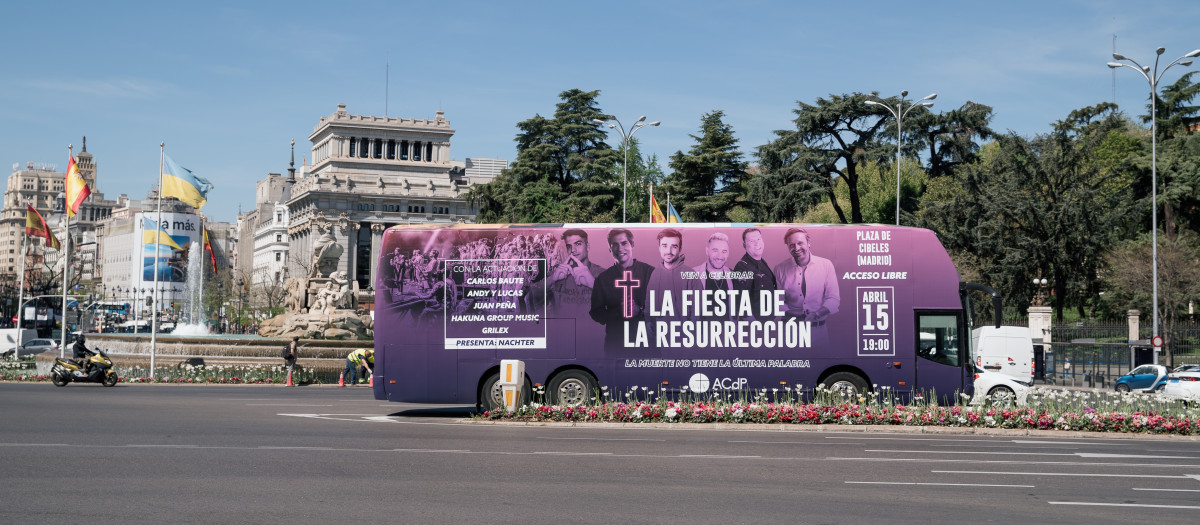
x=1047 y=410
x=199 y=374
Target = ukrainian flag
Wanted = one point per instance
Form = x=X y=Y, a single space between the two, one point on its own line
x=179 y=182
x=154 y=233
x=672 y=215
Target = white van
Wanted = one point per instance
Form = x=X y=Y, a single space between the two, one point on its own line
x=11 y=339
x=1007 y=349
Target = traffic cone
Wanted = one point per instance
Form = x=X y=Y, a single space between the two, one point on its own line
x=341 y=380
x=289 y=383
x=371 y=380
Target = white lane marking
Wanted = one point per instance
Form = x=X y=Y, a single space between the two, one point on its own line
x=367 y=418
x=267 y=447
x=553 y=453
x=1037 y=442
x=717 y=456
x=1140 y=505
x=284 y=405
x=164 y=446
x=598 y=439
x=960 y=441
x=1009 y=462
x=936 y=484
x=1053 y=474
x=973 y=452
x=1139 y=456
x=37 y=444
x=1170 y=490
x=792 y=443
x=1193 y=476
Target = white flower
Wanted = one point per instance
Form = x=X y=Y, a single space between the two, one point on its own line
x=670 y=413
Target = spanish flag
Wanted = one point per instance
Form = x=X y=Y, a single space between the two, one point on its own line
x=181 y=183
x=211 y=253
x=35 y=225
x=77 y=188
x=656 y=214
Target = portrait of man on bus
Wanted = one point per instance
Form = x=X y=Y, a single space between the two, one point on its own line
x=620 y=291
x=809 y=283
x=571 y=280
x=668 y=273
x=753 y=273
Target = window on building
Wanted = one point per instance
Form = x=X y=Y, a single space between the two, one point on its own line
x=378 y=149
x=353 y=147
x=391 y=150
x=404 y=150
x=419 y=208
x=278 y=256
x=278 y=216
x=428 y=151
x=363 y=147
x=417 y=151
x=278 y=237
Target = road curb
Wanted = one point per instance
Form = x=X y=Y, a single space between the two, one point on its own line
x=864 y=429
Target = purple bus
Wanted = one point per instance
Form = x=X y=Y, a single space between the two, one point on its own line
x=703 y=308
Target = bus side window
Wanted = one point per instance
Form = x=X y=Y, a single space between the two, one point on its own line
x=939 y=338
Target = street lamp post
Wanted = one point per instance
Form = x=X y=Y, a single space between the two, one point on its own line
x=898 y=112
x=1153 y=76
x=625 y=136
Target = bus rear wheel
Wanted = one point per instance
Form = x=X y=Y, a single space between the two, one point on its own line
x=846 y=383
x=572 y=388
x=491 y=394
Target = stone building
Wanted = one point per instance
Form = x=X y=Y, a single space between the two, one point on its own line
x=42 y=186
x=372 y=172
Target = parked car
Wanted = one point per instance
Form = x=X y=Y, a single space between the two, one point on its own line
x=999 y=389
x=1145 y=378
x=1183 y=384
x=37 y=346
x=1186 y=368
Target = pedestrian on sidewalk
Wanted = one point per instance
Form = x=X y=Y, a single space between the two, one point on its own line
x=289 y=354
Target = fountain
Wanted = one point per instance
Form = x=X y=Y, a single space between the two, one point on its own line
x=192 y=307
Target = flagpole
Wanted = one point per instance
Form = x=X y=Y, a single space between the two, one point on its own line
x=157 y=247
x=650 y=202
x=21 y=292
x=65 y=254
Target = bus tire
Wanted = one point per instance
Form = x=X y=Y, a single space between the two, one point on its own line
x=847 y=382
x=491 y=394
x=572 y=388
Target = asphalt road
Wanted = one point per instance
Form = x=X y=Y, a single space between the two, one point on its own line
x=242 y=454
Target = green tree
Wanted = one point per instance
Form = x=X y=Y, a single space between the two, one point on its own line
x=1038 y=207
x=563 y=170
x=804 y=166
x=706 y=182
x=1129 y=277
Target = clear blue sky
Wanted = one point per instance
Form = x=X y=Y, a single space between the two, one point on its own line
x=226 y=86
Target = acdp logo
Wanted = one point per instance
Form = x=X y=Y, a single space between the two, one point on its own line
x=701 y=383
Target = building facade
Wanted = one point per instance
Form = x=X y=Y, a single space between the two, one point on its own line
x=43 y=187
x=369 y=173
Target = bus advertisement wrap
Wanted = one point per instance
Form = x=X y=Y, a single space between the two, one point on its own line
x=706 y=307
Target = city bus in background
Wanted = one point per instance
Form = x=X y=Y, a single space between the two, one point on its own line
x=707 y=309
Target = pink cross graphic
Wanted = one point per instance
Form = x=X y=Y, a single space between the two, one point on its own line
x=628 y=284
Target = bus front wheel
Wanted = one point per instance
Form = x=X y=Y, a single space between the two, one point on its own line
x=573 y=388
x=491 y=393
x=846 y=383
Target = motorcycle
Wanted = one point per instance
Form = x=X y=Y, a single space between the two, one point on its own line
x=99 y=370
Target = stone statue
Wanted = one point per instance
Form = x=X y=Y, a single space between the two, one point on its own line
x=293 y=290
x=326 y=252
x=334 y=295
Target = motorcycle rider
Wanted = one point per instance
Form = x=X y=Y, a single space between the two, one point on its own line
x=82 y=353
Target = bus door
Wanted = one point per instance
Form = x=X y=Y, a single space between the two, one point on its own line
x=939 y=356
